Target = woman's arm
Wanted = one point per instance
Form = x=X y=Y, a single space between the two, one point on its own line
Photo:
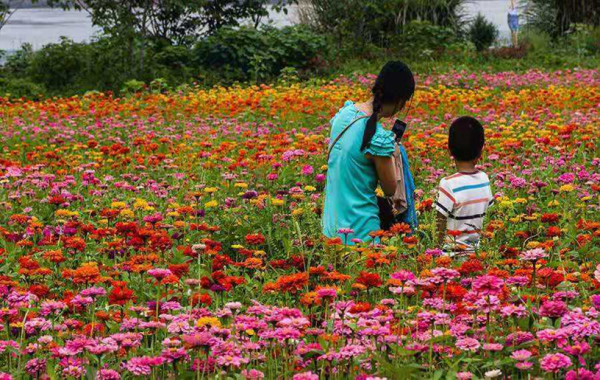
x=386 y=172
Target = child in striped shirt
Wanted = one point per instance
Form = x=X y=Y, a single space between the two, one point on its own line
x=463 y=198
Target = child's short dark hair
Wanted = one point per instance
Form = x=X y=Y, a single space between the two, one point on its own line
x=466 y=138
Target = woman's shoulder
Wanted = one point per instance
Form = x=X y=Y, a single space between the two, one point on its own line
x=348 y=110
x=382 y=143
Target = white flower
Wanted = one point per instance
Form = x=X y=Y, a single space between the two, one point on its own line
x=493 y=374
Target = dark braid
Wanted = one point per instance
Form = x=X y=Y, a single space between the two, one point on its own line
x=395 y=83
x=371 y=126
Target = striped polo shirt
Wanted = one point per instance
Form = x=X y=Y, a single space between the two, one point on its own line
x=463 y=198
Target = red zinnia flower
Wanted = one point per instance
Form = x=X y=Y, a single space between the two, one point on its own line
x=120 y=294
x=369 y=279
x=256 y=239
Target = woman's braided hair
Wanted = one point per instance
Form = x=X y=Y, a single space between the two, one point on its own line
x=395 y=83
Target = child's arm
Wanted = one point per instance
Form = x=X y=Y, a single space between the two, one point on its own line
x=444 y=206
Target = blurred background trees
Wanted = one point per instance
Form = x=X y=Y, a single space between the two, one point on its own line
x=204 y=42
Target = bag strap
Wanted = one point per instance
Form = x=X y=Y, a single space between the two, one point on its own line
x=342 y=133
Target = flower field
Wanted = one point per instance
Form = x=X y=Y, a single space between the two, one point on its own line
x=178 y=236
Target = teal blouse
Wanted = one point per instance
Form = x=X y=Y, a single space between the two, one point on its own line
x=350 y=200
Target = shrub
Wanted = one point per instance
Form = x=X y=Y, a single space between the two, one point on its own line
x=20 y=88
x=482 y=33
x=133 y=86
x=173 y=63
x=59 y=66
x=557 y=17
x=377 y=22
x=422 y=37
x=259 y=53
x=18 y=63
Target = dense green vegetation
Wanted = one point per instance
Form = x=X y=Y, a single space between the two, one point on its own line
x=171 y=44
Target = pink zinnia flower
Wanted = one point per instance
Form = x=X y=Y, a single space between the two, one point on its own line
x=403 y=275
x=488 y=285
x=521 y=355
x=35 y=366
x=582 y=374
x=159 y=273
x=555 y=362
x=445 y=274
x=493 y=347
x=524 y=365
x=305 y=376
x=533 y=255
x=468 y=344
x=197 y=340
x=307 y=170
x=93 y=292
x=566 y=178
x=553 y=309
x=108 y=374
x=231 y=360
x=345 y=231
x=327 y=293
x=252 y=374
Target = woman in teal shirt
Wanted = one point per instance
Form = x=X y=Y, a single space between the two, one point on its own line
x=362 y=156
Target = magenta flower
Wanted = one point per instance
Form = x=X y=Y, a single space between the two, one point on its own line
x=159 y=273
x=35 y=366
x=581 y=374
x=488 y=285
x=307 y=170
x=566 y=178
x=108 y=374
x=553 y=309
x=555 y=362
x=403 y=275
x=327 y=293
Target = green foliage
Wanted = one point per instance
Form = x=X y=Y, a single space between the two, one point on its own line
x=174 y=64
x=174 y=21
x=482 y=33
x=20 y=88
x=132 y=86
x=59 y=66
x=581 y=47
x=558 y=17
x=17 y=64
x=422 y=38
x=259 y=53
x=377 y=22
